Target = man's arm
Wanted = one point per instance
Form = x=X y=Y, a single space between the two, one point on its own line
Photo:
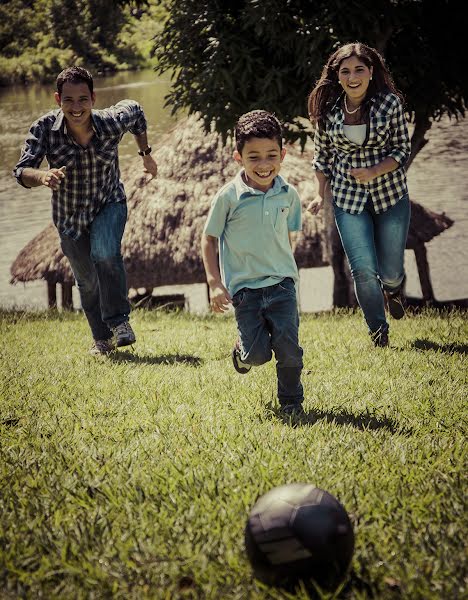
x=219 y=296
x=34 y=177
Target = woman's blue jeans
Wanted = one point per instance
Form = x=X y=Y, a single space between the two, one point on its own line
x=97 y=265
x=375 y=245
x=268 y=320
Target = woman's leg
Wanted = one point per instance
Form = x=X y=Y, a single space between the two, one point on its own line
x=391 y=232
x=357 y=236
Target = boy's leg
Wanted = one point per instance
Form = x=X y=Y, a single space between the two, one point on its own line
x=106 y=233
x=78 y=253
x=254 y=337
x=283 y=319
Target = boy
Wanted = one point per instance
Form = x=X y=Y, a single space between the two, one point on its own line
x=252 y=217
x=88 y=199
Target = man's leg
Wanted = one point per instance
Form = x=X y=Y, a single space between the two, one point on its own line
x=106 y=233
x=283 y=320
x=78 y=253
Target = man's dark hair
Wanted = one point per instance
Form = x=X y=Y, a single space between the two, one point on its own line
x=258 y=124
x=74 y=75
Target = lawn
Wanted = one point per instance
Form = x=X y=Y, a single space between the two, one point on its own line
x=132 y=476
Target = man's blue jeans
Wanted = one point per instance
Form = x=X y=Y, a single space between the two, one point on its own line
x=97 y=265
x=268 y=319
x=375 y=246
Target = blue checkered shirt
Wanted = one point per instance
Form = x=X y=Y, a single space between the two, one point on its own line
x=92 y=174
x=386 y=135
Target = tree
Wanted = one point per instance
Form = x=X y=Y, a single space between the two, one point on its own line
x=228 y=58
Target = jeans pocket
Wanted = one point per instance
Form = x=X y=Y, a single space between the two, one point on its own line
x=288 y=285
x=238 y=298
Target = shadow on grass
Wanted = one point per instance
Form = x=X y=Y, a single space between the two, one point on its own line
x=446 y=348
x=163 y=359
x=363 y=421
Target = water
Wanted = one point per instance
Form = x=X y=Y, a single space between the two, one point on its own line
x=436 y=180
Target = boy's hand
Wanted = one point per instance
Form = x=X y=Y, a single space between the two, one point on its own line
x=219 y=298
x=53 y=178
x=316 y=204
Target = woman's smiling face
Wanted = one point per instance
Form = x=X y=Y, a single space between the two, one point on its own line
x=354 y=76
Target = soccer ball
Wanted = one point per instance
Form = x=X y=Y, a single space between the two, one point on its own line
x=299 y=532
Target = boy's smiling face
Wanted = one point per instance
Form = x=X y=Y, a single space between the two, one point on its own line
x=261 y=159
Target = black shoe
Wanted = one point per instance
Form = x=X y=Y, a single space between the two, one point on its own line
x=396 y=304
x=292 y=411
x=380 y=338
x=239 y=366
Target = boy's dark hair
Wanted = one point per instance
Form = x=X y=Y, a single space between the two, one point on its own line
x=74 y=75
x=259 y=124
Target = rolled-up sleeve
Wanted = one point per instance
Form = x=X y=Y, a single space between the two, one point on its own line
x=322 y=151
x=400 y=145
x=131 y=117
x=32 y=153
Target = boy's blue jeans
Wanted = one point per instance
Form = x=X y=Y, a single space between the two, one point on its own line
x=268 y=320
x=375 y=245
x=97 y=265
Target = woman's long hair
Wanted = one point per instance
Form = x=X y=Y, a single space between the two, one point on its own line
x=327 y=90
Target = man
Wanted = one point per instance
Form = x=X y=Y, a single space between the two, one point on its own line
x=88 y=199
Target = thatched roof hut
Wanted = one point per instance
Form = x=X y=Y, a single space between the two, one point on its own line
x=161 y=244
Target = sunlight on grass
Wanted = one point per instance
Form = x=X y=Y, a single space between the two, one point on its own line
x=132 y=476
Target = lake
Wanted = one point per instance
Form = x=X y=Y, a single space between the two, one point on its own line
x=436 y=180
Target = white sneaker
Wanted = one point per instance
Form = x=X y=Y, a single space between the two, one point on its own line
x=123 y=334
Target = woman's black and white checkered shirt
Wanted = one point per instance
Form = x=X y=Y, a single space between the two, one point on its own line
x=386 y=135
x=92 y=173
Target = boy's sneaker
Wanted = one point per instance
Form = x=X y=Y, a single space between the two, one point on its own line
x=123 y=334
x=239 y=366
x=102 y=347
x=380 y=338
x=396 y=304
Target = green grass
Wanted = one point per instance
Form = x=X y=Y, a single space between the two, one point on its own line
x=132 y=476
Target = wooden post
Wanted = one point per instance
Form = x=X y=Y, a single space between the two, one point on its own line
x=52 y=294
x=67 y=296
x=424 y=273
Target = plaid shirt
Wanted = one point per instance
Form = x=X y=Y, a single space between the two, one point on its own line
x=92 y=174
x=386 y=135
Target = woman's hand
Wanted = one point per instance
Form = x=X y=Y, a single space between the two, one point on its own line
x=316 y=204
x=363 y=174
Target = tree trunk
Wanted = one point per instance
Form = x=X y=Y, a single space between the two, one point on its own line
x=422 y=124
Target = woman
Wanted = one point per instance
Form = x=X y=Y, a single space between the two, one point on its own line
x=361 y=147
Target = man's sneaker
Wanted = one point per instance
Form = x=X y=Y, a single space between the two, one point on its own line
x=239 y=366
x=102 y=347
x=292 y=411
x=123 y=334
x=396 y=304
x=380 y=338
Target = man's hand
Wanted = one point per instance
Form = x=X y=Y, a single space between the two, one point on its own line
x=219 y=298
x=316 y=204
x=150 y=165
x=53 y=178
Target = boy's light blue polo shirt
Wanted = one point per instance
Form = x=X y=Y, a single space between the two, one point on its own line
x=252 y=227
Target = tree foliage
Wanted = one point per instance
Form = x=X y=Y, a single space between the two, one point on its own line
x=228 y=58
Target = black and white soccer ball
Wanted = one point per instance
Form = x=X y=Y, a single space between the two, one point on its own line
x=299 y=532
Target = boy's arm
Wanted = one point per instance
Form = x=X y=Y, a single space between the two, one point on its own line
x=219 y=296
x=148 y=161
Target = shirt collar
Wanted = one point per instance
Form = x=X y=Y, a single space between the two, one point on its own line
x=243 y=189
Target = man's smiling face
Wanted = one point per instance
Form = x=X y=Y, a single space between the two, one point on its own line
x=76 y=101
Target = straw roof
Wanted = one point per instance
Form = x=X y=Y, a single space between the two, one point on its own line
x=161 y=244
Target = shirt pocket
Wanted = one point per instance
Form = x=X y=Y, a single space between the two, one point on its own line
x=281 y=218
x=61 y=156
x=106 y=152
